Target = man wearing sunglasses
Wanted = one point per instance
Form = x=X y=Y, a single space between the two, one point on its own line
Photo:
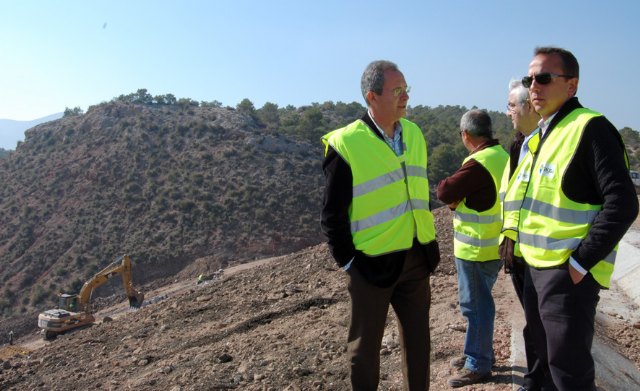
x=380 y=229
x=525 y=123
x=577 y=201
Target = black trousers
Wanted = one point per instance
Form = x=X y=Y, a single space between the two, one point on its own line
x=561 y=316
x=410 y=297
x=534 y=378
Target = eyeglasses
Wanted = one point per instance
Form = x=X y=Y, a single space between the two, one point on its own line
x=542 y=78
x=399 y=90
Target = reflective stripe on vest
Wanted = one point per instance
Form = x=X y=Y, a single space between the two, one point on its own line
x=514 y=189
x=509 y=233
x=390 y=204
x=476 y=234
x=552 y=226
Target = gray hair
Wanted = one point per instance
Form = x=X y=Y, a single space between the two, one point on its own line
x=521 y=91
x=477 y=123
x=373 y=77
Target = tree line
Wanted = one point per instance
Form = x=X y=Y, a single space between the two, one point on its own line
x=440 y=124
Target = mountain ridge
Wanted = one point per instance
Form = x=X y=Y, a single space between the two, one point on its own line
x=12 y=131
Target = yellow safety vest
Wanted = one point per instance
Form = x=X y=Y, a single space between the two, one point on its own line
x=390 y=204
x=550 y=225
x=512 y=190
x=476 y=234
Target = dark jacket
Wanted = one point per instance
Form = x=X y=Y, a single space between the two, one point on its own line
x=598 y=174
x=382 y=270
x=514 y=152
x=512 y=262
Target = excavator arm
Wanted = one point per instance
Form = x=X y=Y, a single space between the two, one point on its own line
x=75 y=311
x=121 y=266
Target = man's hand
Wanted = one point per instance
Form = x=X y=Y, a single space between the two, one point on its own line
x=454 y=205
x=576 y=277
x=506 y=254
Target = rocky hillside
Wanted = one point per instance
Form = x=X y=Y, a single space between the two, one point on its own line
x=168 y=185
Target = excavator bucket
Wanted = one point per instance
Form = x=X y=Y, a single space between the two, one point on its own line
x=137 y=300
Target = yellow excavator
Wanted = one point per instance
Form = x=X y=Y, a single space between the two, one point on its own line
x=75 y=310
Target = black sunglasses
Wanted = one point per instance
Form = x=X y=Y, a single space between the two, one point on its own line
x=542 y=78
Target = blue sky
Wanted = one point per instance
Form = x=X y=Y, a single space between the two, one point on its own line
x=57 y=54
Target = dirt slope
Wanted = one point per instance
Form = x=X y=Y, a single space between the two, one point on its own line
x=277 y=326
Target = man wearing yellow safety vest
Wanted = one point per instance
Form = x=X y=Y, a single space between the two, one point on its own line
x=574 y=200
x=380 y=229
x=472 y=191
x=525 y=122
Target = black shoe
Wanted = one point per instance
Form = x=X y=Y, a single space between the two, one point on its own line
x=466 y=377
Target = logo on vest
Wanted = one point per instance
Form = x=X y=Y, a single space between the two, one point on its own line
x=523 y=176
x=547 y=170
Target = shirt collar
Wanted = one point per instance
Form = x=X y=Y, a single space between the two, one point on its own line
x=544 y=125
x=527 y=138
x=397 y=128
